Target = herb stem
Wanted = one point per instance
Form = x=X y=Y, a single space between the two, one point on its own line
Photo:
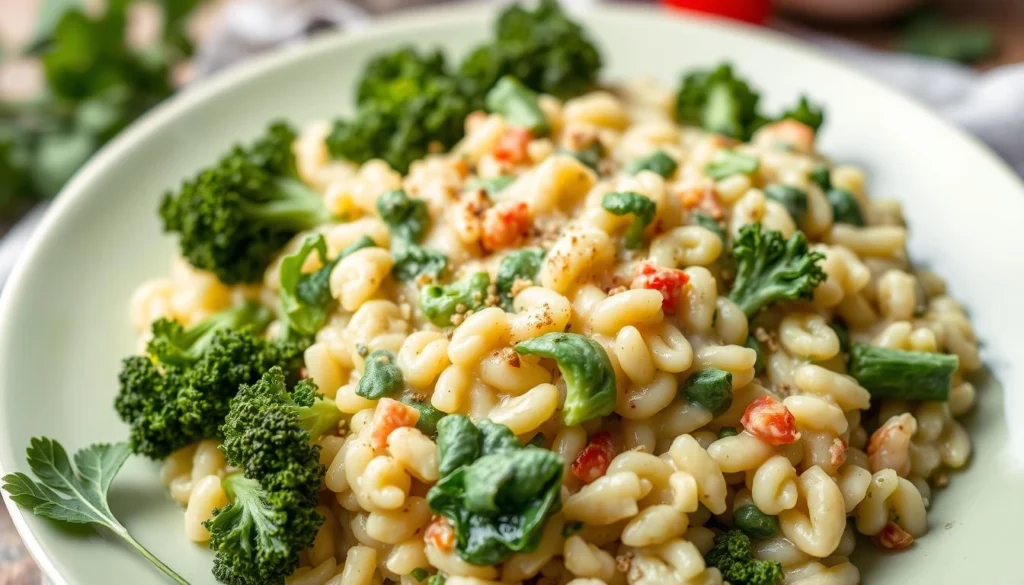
x=123 y=533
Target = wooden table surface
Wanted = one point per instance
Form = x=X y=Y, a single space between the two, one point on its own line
x=1005 y=16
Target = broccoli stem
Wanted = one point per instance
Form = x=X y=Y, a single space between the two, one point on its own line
x=294 y=206
x=902 y=375
x=320 y=418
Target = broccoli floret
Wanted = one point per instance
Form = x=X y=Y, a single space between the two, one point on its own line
x=518 y=105
x=770 y=268
x=168 y=406
x=234 y=217
x=442 y=302
x=268 y=431
x=257 y=537
x=719 y=101
x=733 y=556
x=175 y=345
x=407 y=103
x=543 y=48
x=807 y=113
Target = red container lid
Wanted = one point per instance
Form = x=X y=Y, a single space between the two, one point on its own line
x=754 y=11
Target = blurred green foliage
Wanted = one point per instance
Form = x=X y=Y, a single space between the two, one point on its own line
x=95 y=84
x=931 y=34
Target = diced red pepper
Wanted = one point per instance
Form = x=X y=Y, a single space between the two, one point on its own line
x=511 y=147
x=390 y=415
x=703 y=199
x=893 y=537
x=668 y=281
x=594 y=459
x=837 y=452
x=769 y=420
x=505 y=225
x=440 y=534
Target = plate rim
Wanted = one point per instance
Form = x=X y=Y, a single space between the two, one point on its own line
x=395 y=23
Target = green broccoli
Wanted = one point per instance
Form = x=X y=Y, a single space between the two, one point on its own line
x=733 y=556
x=895 y=374
x=641 y=207
x=807 y=113
x=727 y=163
x=172 y=344
x=711 y=389
x=306 y=299
x=521 y=265
x=442 y=302
x=543 y=48
x=258 y=535
x=770 y=268
x=233 y=218
x=589 y=377
x=753 y=522
x=517 y=104
x=407 y=103
x=657 y=162
x=407 y=218
x=268 y=435
x=382 y=378
x=269 y=429
x=719 y=101
x=169 y=405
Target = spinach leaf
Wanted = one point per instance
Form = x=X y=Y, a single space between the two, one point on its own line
x=639 y=206
x=458 y=443
x=518 y=105
x=407 y=218
x=521 y=264
x=658 y=162
x=727 y=163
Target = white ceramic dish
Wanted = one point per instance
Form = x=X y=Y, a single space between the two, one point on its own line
x=63 y=316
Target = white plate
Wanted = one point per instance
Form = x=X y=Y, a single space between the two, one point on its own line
x=64 y=325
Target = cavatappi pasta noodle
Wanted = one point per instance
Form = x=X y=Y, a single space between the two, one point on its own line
x=665 y=464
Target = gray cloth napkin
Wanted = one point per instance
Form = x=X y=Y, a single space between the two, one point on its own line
x=989 y=105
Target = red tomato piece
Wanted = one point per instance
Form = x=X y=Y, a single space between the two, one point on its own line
x=893 y=537
x=440 y=534
x=594 y=459
x=505 y=224
x=668 y=281
x=837 y=452
x=390 y=415
x=511 y=147
x=769 y=420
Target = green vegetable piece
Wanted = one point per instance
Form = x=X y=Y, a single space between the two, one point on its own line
x=174 y=345
x=933 y=35
x=755 y=345
x=493 y=186
x=412 y=261
x=793 y=199
x=419 y=573
x=843 y=334
x=436 y=579
x=707 y=222
x=807 y=113
x=543 y=48
x=590 y=156
x=845 y=208
x=639 y=206
x=523 y=264
x=518 y=105
x=896 y=374
x=755 y=523
x=538 y=440
x=429 y=416
x=382 y=378
x=500 y=503
x=441 y=302
x=496 y=438
x=234 y=217
x=727 y=163
x=733 y=556
x=76 y=494
x=770 y=268
x=658 y=162
x=718 y=101
x=727 y=432
x=406 y=217
x=711 y=389
x=458 y=443
x=820 y=176
x=571 y=527
x=589 y=377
